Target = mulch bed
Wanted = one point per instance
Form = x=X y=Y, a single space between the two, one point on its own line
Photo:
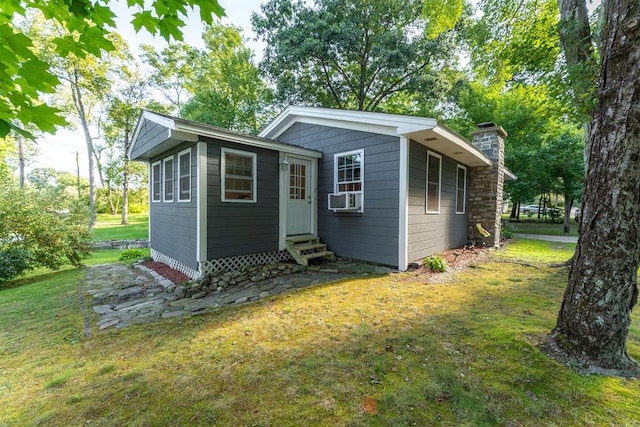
x=167 y=272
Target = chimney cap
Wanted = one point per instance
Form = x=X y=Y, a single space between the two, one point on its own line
x=486 y=125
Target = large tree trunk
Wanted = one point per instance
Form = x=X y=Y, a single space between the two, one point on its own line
x=594 y=320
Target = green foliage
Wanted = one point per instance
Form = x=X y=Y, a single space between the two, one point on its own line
x=24 y=76
x=436 y=263
x=130 y=254
x=357 y=55
x=37 y=230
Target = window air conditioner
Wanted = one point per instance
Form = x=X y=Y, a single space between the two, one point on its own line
x=345 y=201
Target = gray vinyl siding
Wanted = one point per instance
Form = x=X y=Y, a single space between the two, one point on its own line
x=373 y=235
x=432 y=233
x=240 y=228
x=173 y=227
x=151 y=134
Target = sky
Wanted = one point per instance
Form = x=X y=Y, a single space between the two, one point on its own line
x=59 y=151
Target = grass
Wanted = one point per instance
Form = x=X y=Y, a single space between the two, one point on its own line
x=389 y=350
x=108 y=227
x=533 y=226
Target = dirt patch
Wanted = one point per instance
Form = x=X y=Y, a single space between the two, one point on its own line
x=457 y=259
x=167 y=272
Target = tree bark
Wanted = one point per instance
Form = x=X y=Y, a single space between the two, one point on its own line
x=125 y=178
x=594 y=319
x=77 y=98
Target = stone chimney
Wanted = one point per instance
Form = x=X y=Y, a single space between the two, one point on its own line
x=485 y=186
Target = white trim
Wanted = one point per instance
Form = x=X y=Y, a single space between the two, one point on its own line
x=282 y=203
x=152 y=182
x=201 y=202
x=335 y=174
x=426 y=198
x=254 y=175
x=180 y=154
x=164 y=178
x=464 y=190
x=403 y=205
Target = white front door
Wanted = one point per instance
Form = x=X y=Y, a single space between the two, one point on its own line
x=299 y=202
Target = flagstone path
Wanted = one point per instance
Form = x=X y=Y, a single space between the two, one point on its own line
x=116 y=295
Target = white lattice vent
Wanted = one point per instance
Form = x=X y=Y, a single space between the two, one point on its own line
x=238 y=262
x=175 y=264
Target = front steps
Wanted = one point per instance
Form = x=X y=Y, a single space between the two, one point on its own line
x=305 y=247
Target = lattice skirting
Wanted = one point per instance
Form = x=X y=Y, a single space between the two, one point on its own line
x=237 y=262
x=175 y=264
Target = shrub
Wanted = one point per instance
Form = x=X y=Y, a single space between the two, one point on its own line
x=37 y=229
x=436 y=263
x=130 y=254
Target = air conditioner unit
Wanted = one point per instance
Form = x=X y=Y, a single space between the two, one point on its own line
x=345 y=201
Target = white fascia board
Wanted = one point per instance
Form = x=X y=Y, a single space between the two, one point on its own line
x=366 y=121
x=247 y=140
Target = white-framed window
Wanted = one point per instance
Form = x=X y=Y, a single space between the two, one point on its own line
x=238 y=175
x=184 y=175
x=156 y=181
x=461 y=189
x=348 y=171
x=168 y=175
x=434 y=179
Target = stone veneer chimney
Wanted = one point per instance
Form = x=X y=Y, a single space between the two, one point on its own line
x=486 y=184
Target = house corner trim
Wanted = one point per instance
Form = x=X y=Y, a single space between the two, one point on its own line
x=403 y=205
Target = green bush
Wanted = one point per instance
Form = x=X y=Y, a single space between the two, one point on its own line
x=38 y=229
x=436 y=263
x=130 y=254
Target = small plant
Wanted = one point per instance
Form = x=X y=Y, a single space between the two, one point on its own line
x=436 y=263
x=130 y=254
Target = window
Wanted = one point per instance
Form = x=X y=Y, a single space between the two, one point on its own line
x=434 y=167
x=461 y=190
x=238 y=176
x=349 y=171
x=156 y=181
x=184 y=176
x=168 y=179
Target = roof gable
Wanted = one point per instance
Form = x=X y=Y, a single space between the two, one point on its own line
x=423 y=130
x=168 y=131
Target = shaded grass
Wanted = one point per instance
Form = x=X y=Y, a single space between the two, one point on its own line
x=108 y=227
x=462 y=352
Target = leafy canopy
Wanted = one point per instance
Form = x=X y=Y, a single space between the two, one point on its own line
x=353 y=54
x=24 y=77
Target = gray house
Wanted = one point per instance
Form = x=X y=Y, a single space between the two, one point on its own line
x=316 y=182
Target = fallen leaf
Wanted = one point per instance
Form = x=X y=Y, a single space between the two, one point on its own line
x=369 y=405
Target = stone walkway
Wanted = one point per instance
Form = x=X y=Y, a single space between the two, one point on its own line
x=121 y=295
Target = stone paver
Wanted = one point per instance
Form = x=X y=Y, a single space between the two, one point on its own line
x=121 y=295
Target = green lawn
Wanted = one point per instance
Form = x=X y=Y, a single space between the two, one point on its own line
x=389 y=350
x=533 y=226
x=109 y=227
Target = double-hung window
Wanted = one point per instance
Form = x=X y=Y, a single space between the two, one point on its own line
x=461 y=190
x=184 y=176
x=167 y=170
x=238 y=175
x=349 y=171
x=156 y=181
x=434 y=176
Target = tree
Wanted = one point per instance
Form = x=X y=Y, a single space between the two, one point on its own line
x=594 y=319
x=228 y=89
x=353 y=54
x=24 y=77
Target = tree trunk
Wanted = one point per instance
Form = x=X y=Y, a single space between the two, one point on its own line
x=106 y=185
x=594 y=319
x=125 y=179
x=568 y=204
x=77 y=98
